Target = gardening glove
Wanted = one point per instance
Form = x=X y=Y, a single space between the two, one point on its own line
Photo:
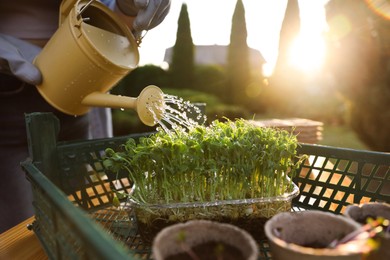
x=148 y=13
x=16 y=58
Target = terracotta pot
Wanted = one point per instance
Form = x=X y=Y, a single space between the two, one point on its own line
x=307 y=234
x=178 y=239
x=360 y=213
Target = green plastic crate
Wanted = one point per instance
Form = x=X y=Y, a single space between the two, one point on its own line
x=72 y=195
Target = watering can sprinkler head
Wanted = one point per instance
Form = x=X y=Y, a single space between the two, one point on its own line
x=149 y=104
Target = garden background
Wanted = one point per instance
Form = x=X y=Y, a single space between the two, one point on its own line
x=352 y=88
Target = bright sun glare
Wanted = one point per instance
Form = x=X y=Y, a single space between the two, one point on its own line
x=307 y=53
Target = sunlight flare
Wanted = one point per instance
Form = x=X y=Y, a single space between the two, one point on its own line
x=307 y=53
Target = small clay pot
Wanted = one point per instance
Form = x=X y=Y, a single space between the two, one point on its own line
x=174 y=241
x=360 y=213
x=307 y=235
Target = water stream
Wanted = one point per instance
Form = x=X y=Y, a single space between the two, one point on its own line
x=177 y=113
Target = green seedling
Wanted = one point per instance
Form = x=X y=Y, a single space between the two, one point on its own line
x=222 y=161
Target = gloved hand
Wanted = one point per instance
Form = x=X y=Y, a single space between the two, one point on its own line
x=149 y=13
x=16 y=58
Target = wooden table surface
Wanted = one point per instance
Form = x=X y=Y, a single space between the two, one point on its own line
x=20 y=243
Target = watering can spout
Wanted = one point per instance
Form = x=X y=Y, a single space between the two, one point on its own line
x=149 y=104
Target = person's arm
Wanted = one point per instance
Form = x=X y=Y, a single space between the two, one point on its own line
x=140 y=15
x=16 y=58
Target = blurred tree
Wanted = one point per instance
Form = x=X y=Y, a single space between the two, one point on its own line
x=139 y=78
x=238 y=66
x=359 y=61
x=289 y=31
x=182 y=65
x=286 y=79
x=210 y=79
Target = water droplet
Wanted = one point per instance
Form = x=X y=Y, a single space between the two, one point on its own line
x=174 y=113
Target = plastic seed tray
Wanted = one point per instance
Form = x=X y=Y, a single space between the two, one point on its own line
x=72 y=195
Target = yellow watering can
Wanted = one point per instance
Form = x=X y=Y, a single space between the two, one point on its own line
x=88 y=54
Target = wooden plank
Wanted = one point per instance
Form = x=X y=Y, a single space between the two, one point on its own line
x=21 y=243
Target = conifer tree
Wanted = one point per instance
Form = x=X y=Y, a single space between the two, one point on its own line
x=182 y=65
x=285 y=78
x=290 y=29
x=238 y=66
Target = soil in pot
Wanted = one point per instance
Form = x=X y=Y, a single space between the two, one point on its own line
x=204 y=239
x=211 y=251
x=255 y=227
x=309 y=234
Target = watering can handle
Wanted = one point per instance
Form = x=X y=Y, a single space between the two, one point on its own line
x=67 y=5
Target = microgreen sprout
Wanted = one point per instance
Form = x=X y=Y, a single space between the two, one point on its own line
x=181 y=240
x=218 y=251
x=222 y=161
